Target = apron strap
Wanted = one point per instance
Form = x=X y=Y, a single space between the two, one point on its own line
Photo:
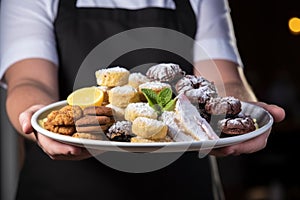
x=186 y=17
x=185 y=14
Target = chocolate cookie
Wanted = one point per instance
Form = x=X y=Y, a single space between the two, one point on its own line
x=197 y=89
x=236 y=126
x=223 y=106
x=98 y=110
x=165 y=72
x=120 y=131
x=94 y=120
x=93 y=128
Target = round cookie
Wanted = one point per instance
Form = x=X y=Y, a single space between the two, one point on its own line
x=237 y=126
x=121 y=96
x=58 y=118
x=144 y=140
x=94 y=120
x=74 y=111
x=156 y=86
x=64 y=116
x=197 y=89
x=136 y=79
x=64 y=130
x=139 y=109
x=120 y=131
x=119 y=113
x=98 y=110
x=149 y=128
x=111 y=77
x=165 y=72
x=223 y=106
x=92 y=136
x=105 y=90
x=93 y=128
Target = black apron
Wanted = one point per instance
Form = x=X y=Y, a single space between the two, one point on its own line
x=78 y=31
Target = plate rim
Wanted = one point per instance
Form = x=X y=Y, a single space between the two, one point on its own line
x=145 y=147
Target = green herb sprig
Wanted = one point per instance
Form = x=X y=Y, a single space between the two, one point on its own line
x=160 y=102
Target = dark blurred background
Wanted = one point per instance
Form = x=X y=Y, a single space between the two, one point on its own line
x=271 y=56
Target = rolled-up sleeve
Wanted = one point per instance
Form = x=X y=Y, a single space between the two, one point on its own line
x=215 y=38
x=26 y=32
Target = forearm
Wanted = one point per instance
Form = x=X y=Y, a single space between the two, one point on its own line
x=227 y=77
x=22 y=97
x=39 y=87
x=241 y=91
x=239 y=87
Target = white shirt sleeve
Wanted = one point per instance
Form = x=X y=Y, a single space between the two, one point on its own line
x=26 y=31
x=215 y=38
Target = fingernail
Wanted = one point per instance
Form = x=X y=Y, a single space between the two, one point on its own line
x=24 y=125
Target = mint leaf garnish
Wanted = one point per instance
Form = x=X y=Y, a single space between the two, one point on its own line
x=170 y=106
x=160 y=102
x=151 y=96
x=164 y=97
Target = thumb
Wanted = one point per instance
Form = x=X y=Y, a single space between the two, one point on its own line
x=25 y=118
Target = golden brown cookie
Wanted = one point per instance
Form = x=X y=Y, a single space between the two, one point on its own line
x=64 y=130
x=139 y=109
x=74 y=111
x=135 y=79
x=98 y=110
x=93 y=128
x=65 y=116
x=149 y=128
x=121 y=96
x=94 y=120
x=144 y=140
x=58 y=118
x=92 y=136
x=111 y=77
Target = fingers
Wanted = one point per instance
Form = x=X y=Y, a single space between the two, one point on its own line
x=250 y=146
x=54 y=149
x=25 y=117
x=255 y=144
x=277 y=112
x=60 y=151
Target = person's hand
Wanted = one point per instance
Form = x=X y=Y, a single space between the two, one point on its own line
x=257 y=143
x=54 y=149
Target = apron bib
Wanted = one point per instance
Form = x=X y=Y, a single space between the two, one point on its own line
x=78 y=31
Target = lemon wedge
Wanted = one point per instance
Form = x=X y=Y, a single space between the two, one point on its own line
x=87 y=96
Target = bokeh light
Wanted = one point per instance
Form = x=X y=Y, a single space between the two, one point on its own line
x=294 y=25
